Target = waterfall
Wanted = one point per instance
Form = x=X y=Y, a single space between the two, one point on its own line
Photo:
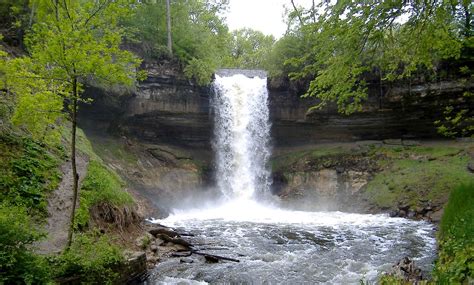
x=241 y=135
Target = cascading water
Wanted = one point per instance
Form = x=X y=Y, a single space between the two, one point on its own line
x=277 y=246
x=242 y=132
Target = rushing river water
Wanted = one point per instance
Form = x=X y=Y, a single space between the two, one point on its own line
x=273 y=245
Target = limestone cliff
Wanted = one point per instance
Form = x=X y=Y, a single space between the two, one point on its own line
x=168 y=108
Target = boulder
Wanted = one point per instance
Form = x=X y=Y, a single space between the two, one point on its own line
x=470 y=166
x=406 y=269
x=186 y=260
x=163 y=231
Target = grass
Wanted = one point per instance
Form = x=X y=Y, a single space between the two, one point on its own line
x=92 y=258
x=411 y=174
x=455 y=264
x=115 y=149
x=29 y=171
x=100 y=185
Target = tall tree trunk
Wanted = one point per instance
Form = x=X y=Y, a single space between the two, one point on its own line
x=297 y=13
x=73 y=161
x=467 y=21
x=168 y=26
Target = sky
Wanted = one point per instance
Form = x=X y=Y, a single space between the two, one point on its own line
x=262 y=15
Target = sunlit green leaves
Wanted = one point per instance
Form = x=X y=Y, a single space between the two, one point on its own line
x=249 y=49
x=390 y=39
x=200 y=37
x=81 y=39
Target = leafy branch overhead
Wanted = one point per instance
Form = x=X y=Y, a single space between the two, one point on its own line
x=78 y=43
x=342 y=43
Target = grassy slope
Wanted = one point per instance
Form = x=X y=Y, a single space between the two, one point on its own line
x=406 y=174
x=29 y=172
x=455 y=264
x=411 y=175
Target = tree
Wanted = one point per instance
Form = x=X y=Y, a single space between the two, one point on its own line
x=200 y=36
x=28 y=100
x=389 y=39
x=76 y=42
x=168 y=27
x=249 y=49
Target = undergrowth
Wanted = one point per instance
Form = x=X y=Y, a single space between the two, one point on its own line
x=455 y=264
x=29 y=171
x=100 y=185
x=92 y=259
x=412 y=174
x=18 y=264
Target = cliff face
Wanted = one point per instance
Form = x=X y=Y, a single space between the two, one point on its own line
x=167 y=108
x=168 y=112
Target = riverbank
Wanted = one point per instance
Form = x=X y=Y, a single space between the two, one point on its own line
x=410 y=179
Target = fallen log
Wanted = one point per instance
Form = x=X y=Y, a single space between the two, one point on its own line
x=181 y=254
x=179 y=241
x=212 y=257
x=161 y=231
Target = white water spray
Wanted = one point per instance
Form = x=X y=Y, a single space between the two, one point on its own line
x=277 y=245
x=242 y=131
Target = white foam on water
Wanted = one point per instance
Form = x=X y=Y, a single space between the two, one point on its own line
x=277 y=245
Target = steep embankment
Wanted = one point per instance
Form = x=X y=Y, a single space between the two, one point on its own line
x=405 y=178
x=59 y=208
x=161 y=176
x=35 y=208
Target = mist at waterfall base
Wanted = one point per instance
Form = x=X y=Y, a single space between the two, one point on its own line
x=275 y=245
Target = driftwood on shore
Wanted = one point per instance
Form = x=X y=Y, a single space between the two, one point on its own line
x=213 y=257
x=170 y=235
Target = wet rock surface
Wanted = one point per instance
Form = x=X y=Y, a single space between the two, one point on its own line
x=407 y=270
x=167 y=108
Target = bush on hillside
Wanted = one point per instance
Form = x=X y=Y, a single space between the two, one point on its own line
x=455 y=264
x=18 y=264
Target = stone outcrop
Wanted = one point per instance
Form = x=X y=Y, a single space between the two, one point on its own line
x=407 y=271
x=168 y=108
x=326 y=182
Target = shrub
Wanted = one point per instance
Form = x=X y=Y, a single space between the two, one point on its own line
x=18 y=264
x=100 y=185
x=28 y=171
x=455 y=263
x=91 y=258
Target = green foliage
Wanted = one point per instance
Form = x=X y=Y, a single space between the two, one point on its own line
x=279 y=63
x=459 y=122
x=14 y=15
x=455 y=264
x=18 y=265
x=249 y=49
x=100 y=185
x=200 y=70
x=31 y=101
x=200 y=37
x=413 y=173
x=343 y=42
x=79 y=40
x=92 y=258
x=29 y=171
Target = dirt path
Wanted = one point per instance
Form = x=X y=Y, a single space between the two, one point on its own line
x=59 y=208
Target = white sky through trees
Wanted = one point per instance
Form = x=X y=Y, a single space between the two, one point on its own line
x=266 y=16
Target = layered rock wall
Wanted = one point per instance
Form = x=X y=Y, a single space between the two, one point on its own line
x=167 y=108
